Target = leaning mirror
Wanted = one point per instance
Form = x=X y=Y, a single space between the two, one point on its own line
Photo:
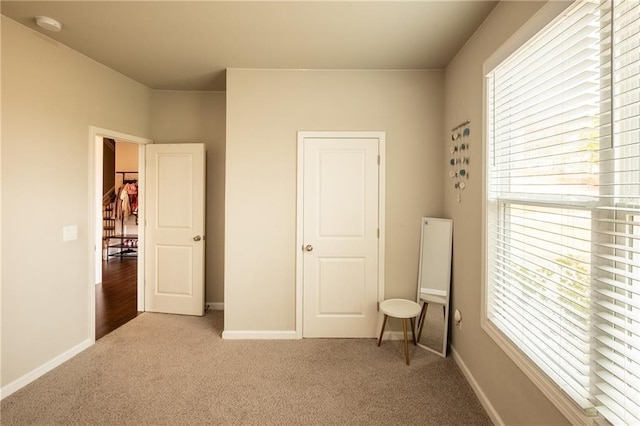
x=434 y=277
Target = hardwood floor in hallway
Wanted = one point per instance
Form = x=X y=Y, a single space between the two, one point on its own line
x=116 y=297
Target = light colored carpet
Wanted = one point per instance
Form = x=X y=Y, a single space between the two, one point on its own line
x=168 y=369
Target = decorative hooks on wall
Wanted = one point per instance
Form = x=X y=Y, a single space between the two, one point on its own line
x=459 y=161
x=465 y=124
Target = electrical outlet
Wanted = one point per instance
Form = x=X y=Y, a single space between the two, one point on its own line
x=457 y=319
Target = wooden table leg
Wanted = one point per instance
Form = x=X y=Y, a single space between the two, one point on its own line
x=423 y=315
x=406 y=344
x=384 y=322
x=413 y=331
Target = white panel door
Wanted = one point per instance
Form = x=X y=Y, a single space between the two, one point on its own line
x=340 y=237
x=175 y=202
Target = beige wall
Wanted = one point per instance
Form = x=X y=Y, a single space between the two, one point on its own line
x=265 y=109
x=126 y=158
x=50 y=97
x=183 y=117
x=514 y=397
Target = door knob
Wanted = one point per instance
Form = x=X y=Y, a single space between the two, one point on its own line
x=308 y=247
x=197 y=238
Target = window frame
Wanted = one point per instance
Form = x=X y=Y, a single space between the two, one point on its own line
x=548 y=387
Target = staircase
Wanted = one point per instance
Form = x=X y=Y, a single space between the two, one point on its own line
x=108 y=216
x=108 y=222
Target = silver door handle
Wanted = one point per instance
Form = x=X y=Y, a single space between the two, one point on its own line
x=308 y=247
x=197 y=238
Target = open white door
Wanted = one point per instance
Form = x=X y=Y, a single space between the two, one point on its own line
x=175 y=202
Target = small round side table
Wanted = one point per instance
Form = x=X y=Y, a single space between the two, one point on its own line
x=400 y=308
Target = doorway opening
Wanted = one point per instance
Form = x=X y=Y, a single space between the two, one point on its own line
x=116 y=293
x=117 y=264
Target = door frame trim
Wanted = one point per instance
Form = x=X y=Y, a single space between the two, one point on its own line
x=302 y=135
x=95 y=214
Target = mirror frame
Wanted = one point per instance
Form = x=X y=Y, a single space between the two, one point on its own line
x=436 y=242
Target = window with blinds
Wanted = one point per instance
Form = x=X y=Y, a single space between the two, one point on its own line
x=563 y=204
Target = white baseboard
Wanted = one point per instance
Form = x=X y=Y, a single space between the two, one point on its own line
x=491 y=411
x=215 y=306
x=43 y=369
x=260 y=335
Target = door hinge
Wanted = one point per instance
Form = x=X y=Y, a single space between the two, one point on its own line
x=378 y=233
x=378 y=307
x=378 y=160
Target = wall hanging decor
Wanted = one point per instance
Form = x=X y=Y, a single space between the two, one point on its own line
x=459 y=161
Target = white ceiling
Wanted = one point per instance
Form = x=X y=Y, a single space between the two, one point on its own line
x=187 y=45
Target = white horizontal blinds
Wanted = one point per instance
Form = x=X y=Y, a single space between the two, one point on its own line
x=546 y=113
x=548 y=116
x=617 y=269
x=540 y=292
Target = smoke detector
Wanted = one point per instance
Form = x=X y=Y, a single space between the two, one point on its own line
x=49 y=24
